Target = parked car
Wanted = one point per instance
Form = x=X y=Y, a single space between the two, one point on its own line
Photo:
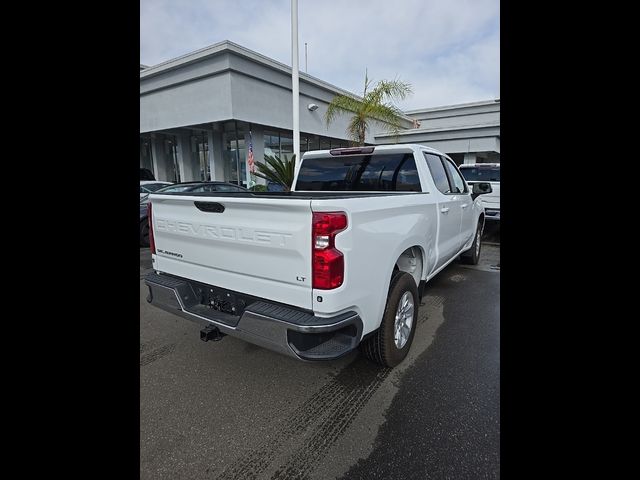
x=181 y=187
x=339 y=262
x=146 y=187
x=485 y=172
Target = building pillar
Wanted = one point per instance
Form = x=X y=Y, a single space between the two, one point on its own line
x=160 y=159
x=185 y=159
x=216 y=160
x=470 y=158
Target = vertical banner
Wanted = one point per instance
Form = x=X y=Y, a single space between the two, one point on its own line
x=251 y=166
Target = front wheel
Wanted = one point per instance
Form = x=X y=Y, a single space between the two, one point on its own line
x=472 y=256
x=390 y=344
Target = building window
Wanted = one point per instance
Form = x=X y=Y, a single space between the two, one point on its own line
x=286 y=146
x=146 y=154
x=304 y=143
x=271 y=143
x=314 y=142
x=171 y=153
x=200 y=153
x=234 y=153
x=280 y=143
x=230 y=153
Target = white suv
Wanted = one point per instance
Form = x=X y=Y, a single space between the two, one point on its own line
x=485 y=172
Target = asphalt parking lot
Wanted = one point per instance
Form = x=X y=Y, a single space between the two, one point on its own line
x=231 y=410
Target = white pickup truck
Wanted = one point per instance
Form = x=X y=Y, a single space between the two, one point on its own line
x=338 y=262
x=485 y=172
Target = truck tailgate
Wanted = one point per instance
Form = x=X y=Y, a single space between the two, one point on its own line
x=257 y=246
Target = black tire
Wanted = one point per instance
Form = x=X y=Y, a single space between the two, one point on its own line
x=380 y=347
x=144 y=233
x=472 y=256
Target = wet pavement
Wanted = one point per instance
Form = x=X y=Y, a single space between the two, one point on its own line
x=232 y=410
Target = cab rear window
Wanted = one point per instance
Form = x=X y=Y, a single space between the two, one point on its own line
x=372 y=173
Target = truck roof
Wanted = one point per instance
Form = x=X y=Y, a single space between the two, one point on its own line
x=378 y=148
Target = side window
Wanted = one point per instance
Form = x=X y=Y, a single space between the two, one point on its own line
x=455 y=177
x=408 y=179
x=437 y=172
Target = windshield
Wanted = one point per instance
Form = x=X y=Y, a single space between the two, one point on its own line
x=480 y=174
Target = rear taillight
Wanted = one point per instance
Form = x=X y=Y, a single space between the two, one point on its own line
x=327 y=262
x=152 y=243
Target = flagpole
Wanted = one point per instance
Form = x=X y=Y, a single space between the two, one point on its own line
x=295 y=80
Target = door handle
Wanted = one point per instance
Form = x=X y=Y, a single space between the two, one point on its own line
x=445 y=210
x=464 y=205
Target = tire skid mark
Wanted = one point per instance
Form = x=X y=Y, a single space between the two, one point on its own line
x=156 y=354
x=434 y=300
x=254 y=463
x=306 y=458
x=331 y=405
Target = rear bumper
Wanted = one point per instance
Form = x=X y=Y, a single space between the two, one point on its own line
x=287 y=330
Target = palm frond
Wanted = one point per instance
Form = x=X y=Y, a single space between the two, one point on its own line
x=341 y=104
x=391 y=90
x=376 y=104
x=277 y=170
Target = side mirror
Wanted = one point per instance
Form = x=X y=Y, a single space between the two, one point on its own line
x=480 y=188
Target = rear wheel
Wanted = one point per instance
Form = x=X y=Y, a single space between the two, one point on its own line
x=390 y=344
x=472 y=256
x=144 y=233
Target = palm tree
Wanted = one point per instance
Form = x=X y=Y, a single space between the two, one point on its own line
x=375 y=105
x=276 y=170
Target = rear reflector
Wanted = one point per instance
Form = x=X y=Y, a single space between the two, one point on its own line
x=352 y=151
x=152 y=243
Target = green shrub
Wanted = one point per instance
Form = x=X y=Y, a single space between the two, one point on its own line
x=277 y=170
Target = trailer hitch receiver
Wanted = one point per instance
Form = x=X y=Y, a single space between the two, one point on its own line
x=211 y=332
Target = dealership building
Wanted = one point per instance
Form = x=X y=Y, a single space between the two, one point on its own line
x=200 y=112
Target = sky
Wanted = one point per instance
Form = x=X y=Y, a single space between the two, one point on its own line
x=448 y=50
